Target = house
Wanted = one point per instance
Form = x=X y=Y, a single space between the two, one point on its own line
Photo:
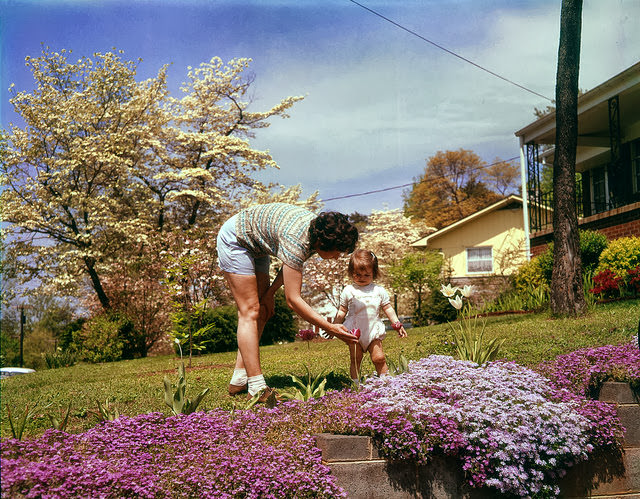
x=607 y=163
x=484 y=247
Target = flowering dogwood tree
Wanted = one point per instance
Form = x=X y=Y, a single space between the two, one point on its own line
x=110 y=171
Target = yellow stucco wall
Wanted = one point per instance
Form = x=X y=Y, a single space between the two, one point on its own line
x=502 y=230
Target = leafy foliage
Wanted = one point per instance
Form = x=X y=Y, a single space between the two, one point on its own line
x=115 y=174
x=305 y=389
x=106 y=338
x=452 y=187
x=417 y=272
x=176 y=399
x=621 y=255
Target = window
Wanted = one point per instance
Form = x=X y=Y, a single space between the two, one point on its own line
x=479 y=259
x=599 y=190
x=635 y=165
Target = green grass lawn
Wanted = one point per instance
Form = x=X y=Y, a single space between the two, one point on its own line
x=136 y=386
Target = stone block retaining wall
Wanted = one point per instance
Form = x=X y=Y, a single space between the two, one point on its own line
x=358 y=468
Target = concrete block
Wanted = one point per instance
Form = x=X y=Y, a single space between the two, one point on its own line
x=630 y=418
x=604 y=474
x=344 y=447
x=618 y=392
x=379 y=479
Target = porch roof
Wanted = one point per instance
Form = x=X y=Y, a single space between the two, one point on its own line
x=593 y=113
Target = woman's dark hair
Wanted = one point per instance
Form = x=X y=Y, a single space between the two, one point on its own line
x=331 y=231
x=363 y=260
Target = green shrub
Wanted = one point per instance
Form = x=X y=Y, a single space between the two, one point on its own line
x=105 y=338
x=59 y=358
x=437 y=310
x=66 y=336
x=621 y=255
x=282 y=326
x=9 y=350
x=531 y=274
x=217 y=327
x=221 y=337
x=592 y=244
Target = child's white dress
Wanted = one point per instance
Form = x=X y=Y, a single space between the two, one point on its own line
x=363 y=304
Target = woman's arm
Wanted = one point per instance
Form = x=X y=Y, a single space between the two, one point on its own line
x=292 y=288
x=388 y=310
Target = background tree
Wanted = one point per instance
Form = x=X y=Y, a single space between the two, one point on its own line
x=452 y=187
x=567 y=296
x=417 y=272
x=503 y=177
x=108 y=172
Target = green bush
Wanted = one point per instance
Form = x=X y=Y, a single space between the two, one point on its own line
x=66 y=336
x=592 y=244
x=282 y=326
x=60 y=358
x=621 y=255
x=437 y=310
x=9 y=350
x=106 y=338
x=216 y=328
x=221 y=337
x=537 y=272
x=532 y=274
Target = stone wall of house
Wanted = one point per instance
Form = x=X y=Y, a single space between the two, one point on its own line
x=485 y=289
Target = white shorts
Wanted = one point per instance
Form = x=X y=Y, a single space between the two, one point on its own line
x=235 y=259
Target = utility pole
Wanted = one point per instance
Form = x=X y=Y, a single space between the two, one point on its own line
x=23 y=320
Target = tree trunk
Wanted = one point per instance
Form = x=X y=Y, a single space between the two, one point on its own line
x=97 y=284
x=567 y=295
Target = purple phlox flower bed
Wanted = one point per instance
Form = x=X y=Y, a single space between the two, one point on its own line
x=203 y=455
x=583 y=371
x=515 y=431
x=511 y=428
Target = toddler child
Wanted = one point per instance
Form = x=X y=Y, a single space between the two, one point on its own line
x=360 y=305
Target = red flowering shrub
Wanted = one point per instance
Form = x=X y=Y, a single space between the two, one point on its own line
x=633 y=283
x=606 y=283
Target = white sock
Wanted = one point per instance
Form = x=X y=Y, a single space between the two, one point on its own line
x=239 y=377
x=256 y=384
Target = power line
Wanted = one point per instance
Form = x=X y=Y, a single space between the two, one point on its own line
x=411 y=183
x=451 y=52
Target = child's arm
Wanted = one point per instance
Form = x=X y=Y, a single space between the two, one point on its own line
x=395 y=323
x=339 y=318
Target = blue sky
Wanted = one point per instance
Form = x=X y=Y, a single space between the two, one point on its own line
x=378 y=100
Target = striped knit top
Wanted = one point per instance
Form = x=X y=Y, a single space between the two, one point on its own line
x=276 y=229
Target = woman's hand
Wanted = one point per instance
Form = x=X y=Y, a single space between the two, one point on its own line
x=342 y=333
x=267 y=306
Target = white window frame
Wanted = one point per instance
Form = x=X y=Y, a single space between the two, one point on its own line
x=471 y=250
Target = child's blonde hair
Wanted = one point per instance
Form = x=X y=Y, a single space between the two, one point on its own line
x=362 y=259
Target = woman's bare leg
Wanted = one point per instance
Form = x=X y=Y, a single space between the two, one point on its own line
x=246 y=290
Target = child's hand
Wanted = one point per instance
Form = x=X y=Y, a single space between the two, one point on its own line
x=400 y=328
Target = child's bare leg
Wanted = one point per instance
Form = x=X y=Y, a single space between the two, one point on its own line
x=378 y=358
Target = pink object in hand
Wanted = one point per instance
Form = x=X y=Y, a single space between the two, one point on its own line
x=356 y=332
